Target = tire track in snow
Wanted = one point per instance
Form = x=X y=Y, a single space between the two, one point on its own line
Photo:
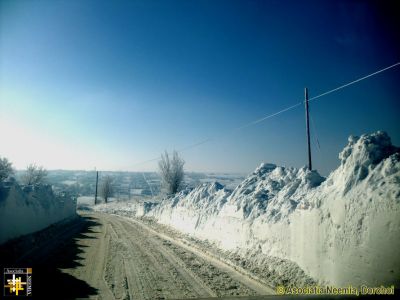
x=256 y=286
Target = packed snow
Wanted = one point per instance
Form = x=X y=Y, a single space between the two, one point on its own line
x=26 y=209
x=341 y=230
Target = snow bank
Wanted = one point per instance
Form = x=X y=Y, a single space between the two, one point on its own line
x=342 y=230
x=27 y=209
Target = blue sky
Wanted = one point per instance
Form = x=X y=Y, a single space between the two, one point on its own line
x=114 y=83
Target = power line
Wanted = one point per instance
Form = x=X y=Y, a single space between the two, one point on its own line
x=232 y=131
x=355 y=81
x=180 y=150
x=268 y=116
x=195 y=145
x=229 y=133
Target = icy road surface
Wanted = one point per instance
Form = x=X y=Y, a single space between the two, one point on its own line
x=105 y=256
x=128 y=260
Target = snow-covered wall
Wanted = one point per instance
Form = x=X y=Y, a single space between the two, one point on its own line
x=26 y=209
x=341 y=230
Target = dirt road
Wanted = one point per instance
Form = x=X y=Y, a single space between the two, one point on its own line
x=104 y=256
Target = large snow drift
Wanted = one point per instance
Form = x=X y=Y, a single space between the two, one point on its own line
x=27 y=209
x=342 y=230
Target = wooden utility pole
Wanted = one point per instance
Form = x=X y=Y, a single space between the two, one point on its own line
x=97 y=182
x=307 y=128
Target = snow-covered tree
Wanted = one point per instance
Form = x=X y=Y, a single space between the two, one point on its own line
x=5 y=168
x=107 y=189
x=34 y=175
x=171 y=171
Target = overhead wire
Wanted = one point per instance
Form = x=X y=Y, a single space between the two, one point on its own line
x=354 y=81
x=252 y=123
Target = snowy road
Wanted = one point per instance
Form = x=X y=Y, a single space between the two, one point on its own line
x=128 y=260
x=119 y=258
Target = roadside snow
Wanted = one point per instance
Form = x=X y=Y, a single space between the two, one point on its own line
x=342 y=230
x=26 y=209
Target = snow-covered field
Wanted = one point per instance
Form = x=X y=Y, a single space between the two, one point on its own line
x=84 y=201
x=26 y=209
x=341 y=230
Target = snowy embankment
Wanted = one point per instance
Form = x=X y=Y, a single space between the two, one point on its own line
x=341 y=230
x=26 y=209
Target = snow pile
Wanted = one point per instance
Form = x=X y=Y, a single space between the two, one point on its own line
x=188 y=210
x=351 y=230
x=212 y=212
x=344 y=230
x=26 y=209
x=271 y=191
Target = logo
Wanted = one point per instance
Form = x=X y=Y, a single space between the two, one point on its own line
x=18 y=282
x=280 y=290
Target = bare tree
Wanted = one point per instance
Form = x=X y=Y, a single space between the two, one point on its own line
x=5 y=168
x=107 y=189
x=171 y=170
x=34 y=175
